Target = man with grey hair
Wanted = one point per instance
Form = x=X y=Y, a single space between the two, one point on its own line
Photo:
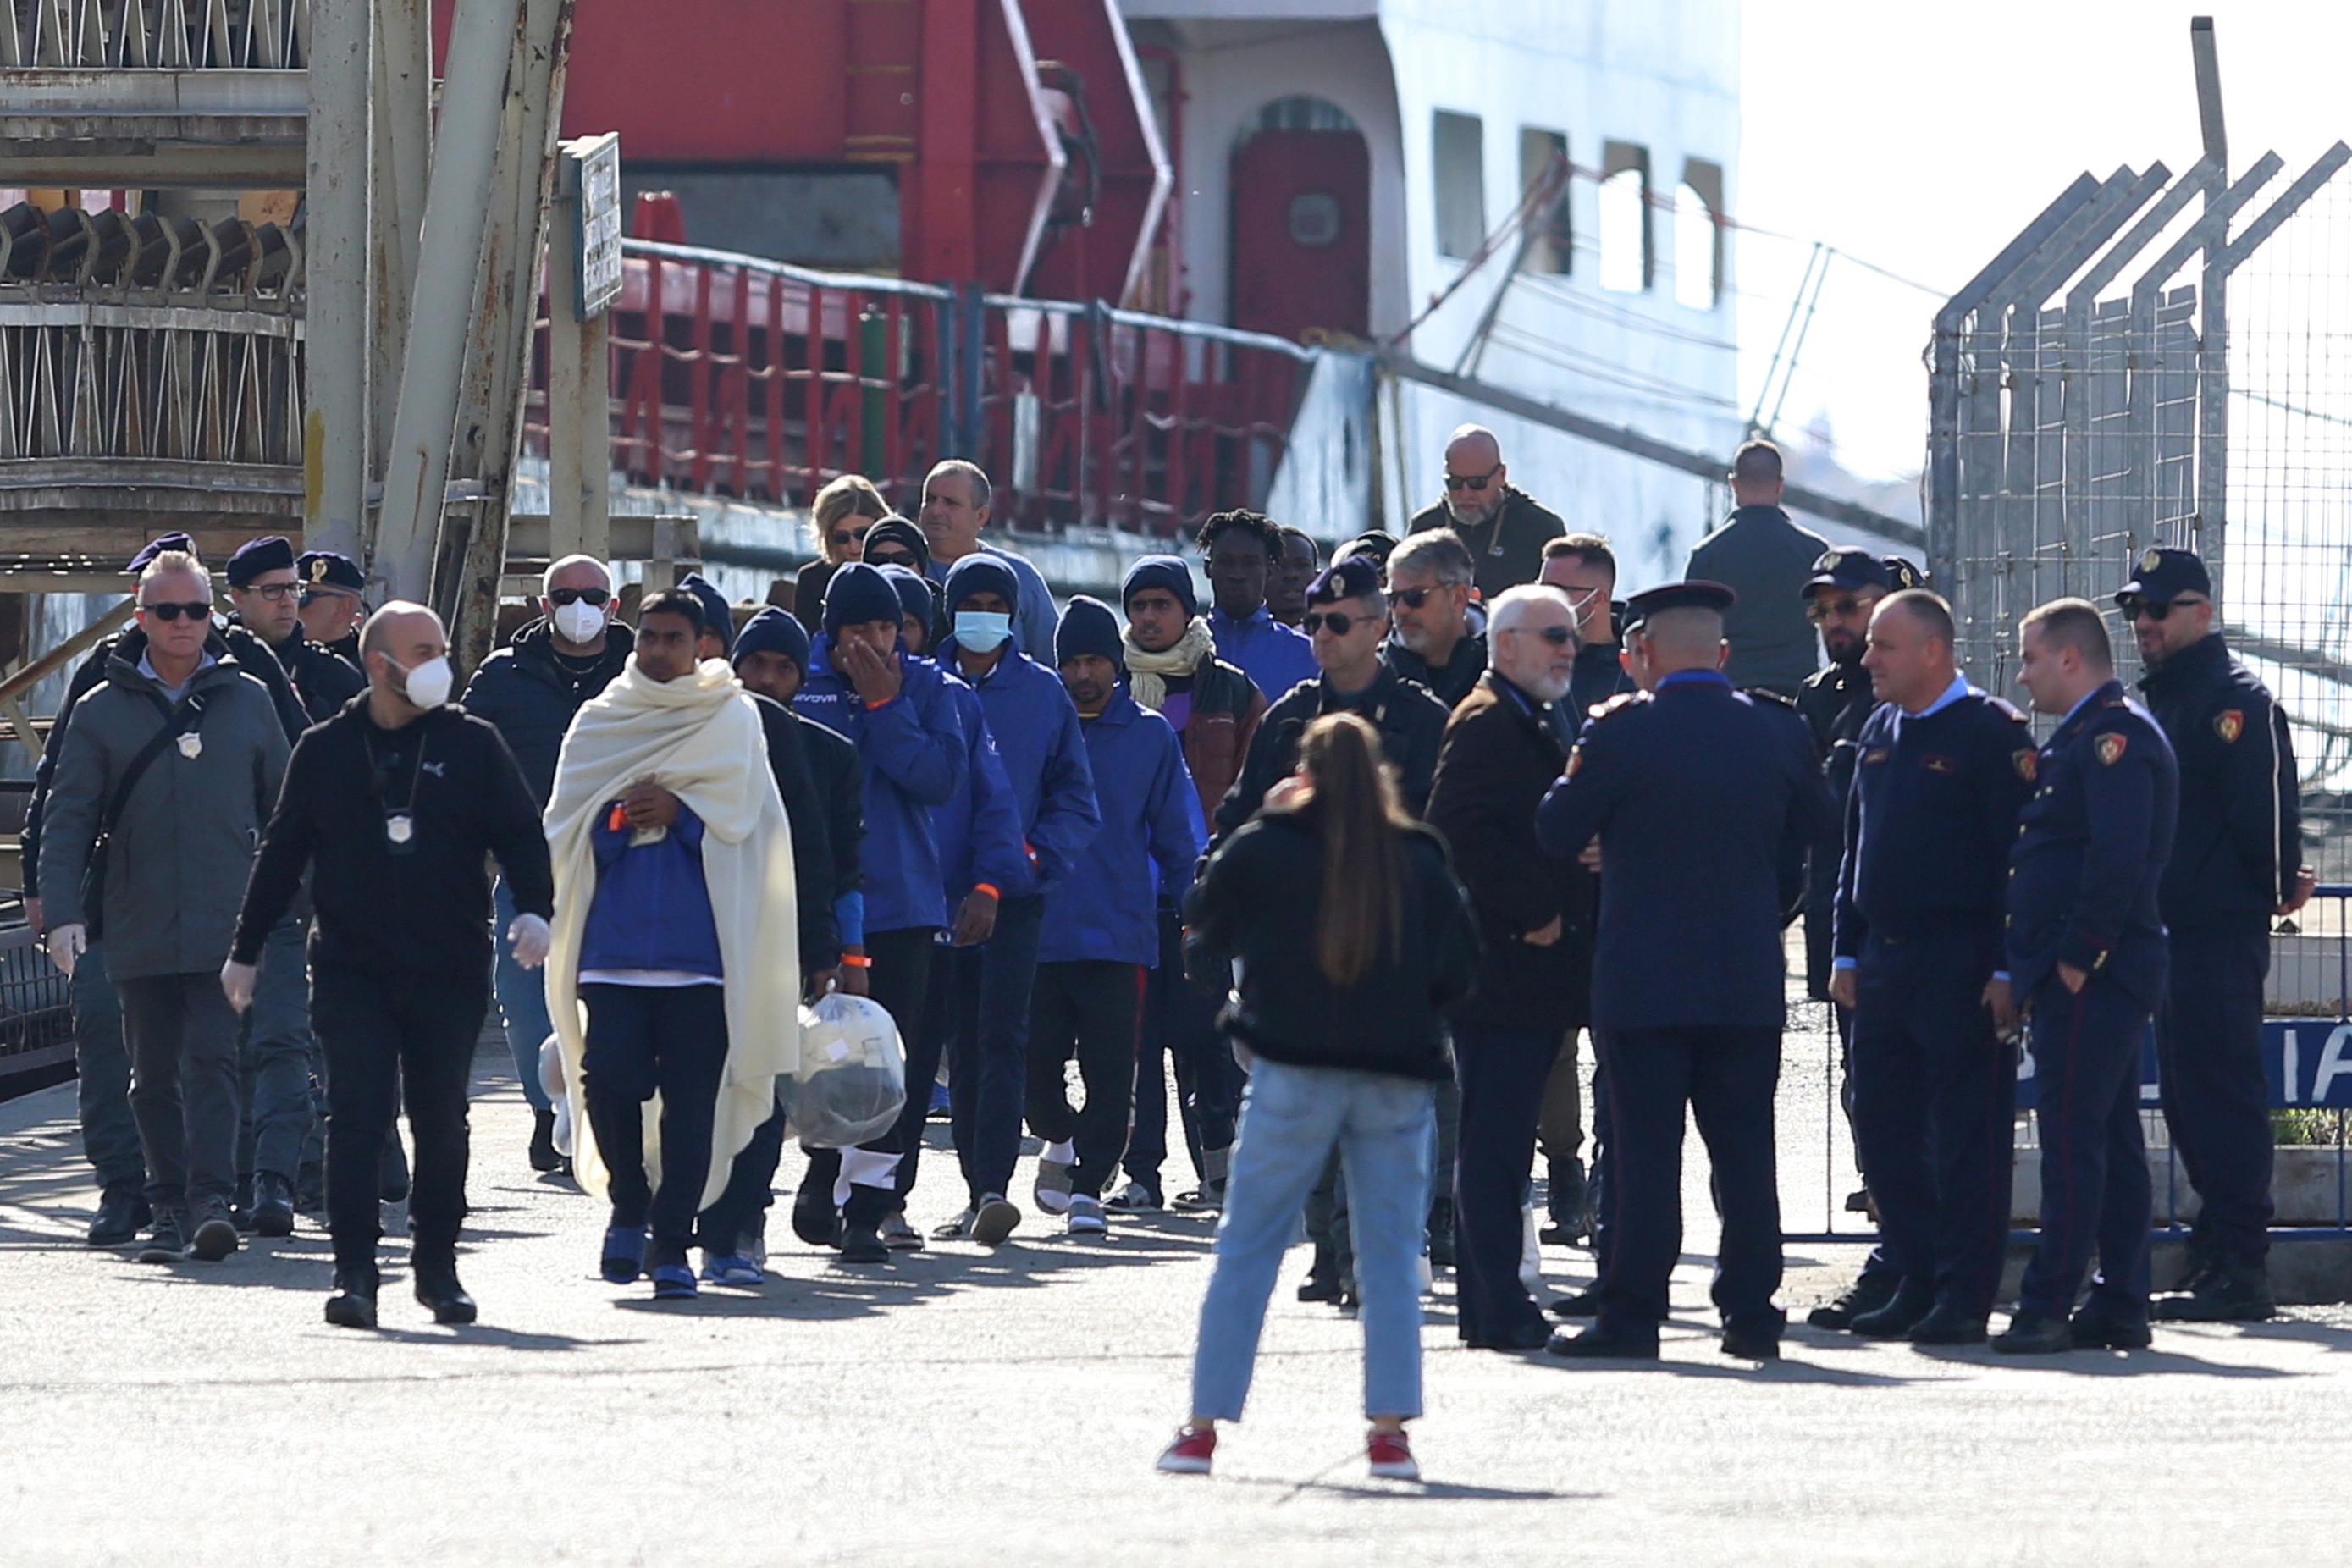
x=1430 y=578
x=956 y=499
x=529 y=691
x=162 y=783
x=1501 y=526
x=1504 y=747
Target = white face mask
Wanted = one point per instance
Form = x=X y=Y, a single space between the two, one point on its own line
x=427 y=685
x=579 y=621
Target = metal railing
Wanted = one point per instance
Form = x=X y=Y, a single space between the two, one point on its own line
x=35 y=1012
x=739 y=376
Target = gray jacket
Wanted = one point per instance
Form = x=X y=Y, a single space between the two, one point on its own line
x=1767 y=560
x=175 y=870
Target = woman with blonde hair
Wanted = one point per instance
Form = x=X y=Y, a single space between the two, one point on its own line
x=1338 y=924
x=839 y=515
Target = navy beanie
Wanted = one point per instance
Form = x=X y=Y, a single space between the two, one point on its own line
x=915 y=596
x=981 y=572
x=716 y=618
x=858 y=594
x=774 y=630
x=1161 y=572
x=1088 y=627
x=161 y=544
x=256 y=556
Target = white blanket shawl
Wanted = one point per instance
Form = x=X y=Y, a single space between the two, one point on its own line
x=700 y=738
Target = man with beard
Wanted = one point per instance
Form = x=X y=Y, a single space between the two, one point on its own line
x=1429 y=600
x=1502 y=526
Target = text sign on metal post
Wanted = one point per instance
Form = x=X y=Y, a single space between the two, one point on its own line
x=594 y=182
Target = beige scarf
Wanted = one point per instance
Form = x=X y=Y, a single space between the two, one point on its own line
x=1147 y=672
x=700 y=738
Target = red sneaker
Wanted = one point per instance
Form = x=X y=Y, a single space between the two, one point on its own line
x=1191 y=1453
x=1392 y=1458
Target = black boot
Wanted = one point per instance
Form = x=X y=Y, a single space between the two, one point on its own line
x=167 y=1240
x=861 y=1224
x=1564 y=1201
x=2235 y=1290
x=240 y=1205
x=1584 y=1303
x=391 y=1171
x=437 y=1288
x=121 y=1214
x=544 y=1157
x=212 y=1236
x=1904 y=1311
x=273 y=1205
x=352 y=1306
x=1868 y=1294
x=1322 y=1281
x=1441 y=1233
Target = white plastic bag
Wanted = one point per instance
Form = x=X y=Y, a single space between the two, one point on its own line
x=550 y=1078
x=853 y=1077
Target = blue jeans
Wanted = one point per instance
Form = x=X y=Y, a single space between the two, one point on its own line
x=274 y=1057
x=1292 y=1117
x=522 y=1000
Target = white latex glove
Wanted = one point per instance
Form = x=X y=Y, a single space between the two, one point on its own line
x=236 y=983
x=67 y=944
x=529 y=937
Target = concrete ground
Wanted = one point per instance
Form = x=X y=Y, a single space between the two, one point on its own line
x=969 y=1406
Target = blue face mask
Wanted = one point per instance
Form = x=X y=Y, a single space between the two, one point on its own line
x=981 y=631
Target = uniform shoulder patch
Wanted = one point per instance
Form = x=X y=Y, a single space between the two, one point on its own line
x=2006 y=708
x=2028 y=763
x=2230 y=723
x=1617 y=704
x=1766 y=694
x=2111 y=746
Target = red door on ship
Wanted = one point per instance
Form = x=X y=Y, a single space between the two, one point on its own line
x=1302 y=235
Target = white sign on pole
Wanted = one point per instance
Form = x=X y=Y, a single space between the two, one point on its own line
x=593 y=178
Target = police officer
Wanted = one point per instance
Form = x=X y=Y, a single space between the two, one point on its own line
x=1846 y=586
x=266 y=589
x=2087 y=963
x=332 y=602
x=1699 y=795
x=1942 y=771
x=2236 y=861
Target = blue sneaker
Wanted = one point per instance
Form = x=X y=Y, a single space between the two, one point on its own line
x=625 y=1254
x=674 y=1282
x=733 y=1269
x=941 y=1109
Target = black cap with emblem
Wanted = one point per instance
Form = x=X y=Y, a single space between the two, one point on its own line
x=325 y=569
x=1695 y=594
x=2164 y=576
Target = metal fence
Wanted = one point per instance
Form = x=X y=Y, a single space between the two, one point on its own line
x=2164 y=362
x=36 y=1015
x=734 y=375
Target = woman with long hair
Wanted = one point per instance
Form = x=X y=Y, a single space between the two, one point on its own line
x=1336 y=922
x=839 y=515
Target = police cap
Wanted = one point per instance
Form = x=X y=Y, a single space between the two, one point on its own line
x=2164 y=576
x=256 y=556
x=1695 y=594
x=325 y=569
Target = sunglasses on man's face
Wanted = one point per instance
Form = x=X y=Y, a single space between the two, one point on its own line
x=172 y=610
x=893 y=558
x=1471 y=481
x=1555 y=635
x=579 y=595
x=2159 y=609
x=1411 y=598
x=1338 y=623
x=1820 y=610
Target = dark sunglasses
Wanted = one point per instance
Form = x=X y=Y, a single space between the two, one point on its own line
x=848 y=535
x=1820 y=610
x=1339 y=622
x=1555 y=635
x=1411 y=598
x=2156 y=609
x=579 y=595
x=891 y=559
x=196 y=610
x=1471 y=481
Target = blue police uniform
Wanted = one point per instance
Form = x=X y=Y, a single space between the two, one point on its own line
x=1697 y=793
x=2092 y=843
x=2234 y=859
x=1930 y=820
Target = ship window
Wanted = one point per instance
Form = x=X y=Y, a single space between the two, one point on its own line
x=1698 y=236
x=1459 y=178
x=1549 y=246
x=1627 y=263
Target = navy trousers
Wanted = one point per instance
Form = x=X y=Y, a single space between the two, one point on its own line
x=1725 y=1075
x=1934 y=1112
x=2095 y=1194
x=1180 y=1023
x=1502 y=1073
x=988 y=1045
x=2217 y=1099
x=645 y=1041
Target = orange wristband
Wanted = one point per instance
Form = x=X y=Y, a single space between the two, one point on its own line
x=990 y=890
x=856 y=961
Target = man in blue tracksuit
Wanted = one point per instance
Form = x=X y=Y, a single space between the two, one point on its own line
x=1036 y=733
x=895 y=708
x=2087 y=963
x=1101 y=933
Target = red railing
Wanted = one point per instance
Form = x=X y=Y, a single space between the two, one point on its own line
x=737 y=376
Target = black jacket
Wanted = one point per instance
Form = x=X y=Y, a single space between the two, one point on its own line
x=1257 y=901
x=425 y=912
x=1452 y=682
x=1600 y=675
x=1836 y=701
x=231 y=641
x=1502 y=751
x=805 y=817
x=1412 y=723
x=840 y=776
x=321 y=680
x=529 y=696
x=2240 y=840
x=1508 y=546
x=1766 y=559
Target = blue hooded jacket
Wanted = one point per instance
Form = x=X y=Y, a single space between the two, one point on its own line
x=1150 y=837
x=979 y=831
x=1044 y=752
x=915 y=755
